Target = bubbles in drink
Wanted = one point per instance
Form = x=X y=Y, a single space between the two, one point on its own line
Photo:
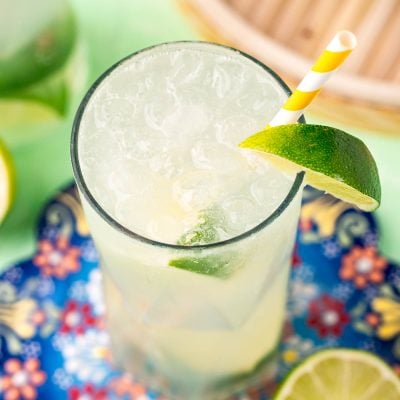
x=159 y=142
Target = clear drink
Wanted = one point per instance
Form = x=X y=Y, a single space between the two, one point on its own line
x=195 y=234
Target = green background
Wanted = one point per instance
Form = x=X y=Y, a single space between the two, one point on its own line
x=109 y=30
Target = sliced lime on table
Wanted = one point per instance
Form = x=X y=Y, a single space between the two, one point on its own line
x=334 y=161
x=34 y=52
x=6 y=181
x=341 y=374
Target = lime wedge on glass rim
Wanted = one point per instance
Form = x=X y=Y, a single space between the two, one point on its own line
x=6 y=181
x=340 y=374
x=334 y=161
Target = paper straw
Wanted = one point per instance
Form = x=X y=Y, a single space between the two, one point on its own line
x=329 y=61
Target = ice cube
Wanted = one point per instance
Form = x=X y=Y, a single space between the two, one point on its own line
x=216 y=157
x=232 y=130
x=168 y=164
x=129 y=177
x=165 y=228
x=241 y=213
x=221 y=81
x=114 y=112
x=269 y=191
x=157 y=108
x=196 y=191
x=186 y=122
x=187 y=67
x=142 y=145
x=123 y=83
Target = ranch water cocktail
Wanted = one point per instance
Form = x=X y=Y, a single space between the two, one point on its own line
x=195 y=234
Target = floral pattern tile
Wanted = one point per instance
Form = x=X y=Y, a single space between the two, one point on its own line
x=53 y=343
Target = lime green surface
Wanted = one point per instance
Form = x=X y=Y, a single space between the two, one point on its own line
x=109 y=30
x=335 y=161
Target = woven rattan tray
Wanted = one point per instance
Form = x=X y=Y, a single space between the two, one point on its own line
x=287 y=35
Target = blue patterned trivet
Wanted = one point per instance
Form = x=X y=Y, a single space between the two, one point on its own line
x=52 y=339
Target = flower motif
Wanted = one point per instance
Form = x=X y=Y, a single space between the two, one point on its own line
x=77 y=291
x=295 y=348
x=301 y=293
x=305 y=224
x=21 y=379
x=62 y=379
x=388 y=326
x=327 y=316
x=16 y=317
x=89 y=252
x=123 y=386
x=331 y=249
x=57 y=258
x=363 y=266
x=77 y=318
x=343 y=291
x=87 y=392
x=95 y=292
x=31 y=349
x=372 y=319
x=87 y=356
x=21 y=316
x=13 y=274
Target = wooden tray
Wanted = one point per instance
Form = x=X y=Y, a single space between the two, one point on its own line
x=288 y=35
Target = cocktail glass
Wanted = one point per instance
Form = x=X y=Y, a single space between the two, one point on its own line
x=194 y=321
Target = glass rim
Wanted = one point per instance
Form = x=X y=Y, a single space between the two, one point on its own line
x=110 y=220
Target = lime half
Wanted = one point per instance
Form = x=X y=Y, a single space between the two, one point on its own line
x=6 y=181
x=334 y=161
x=34 y=53
x=341 y=374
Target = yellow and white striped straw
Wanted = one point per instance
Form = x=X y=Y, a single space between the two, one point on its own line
x=328 y=62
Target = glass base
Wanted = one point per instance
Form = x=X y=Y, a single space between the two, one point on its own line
x=204 y=387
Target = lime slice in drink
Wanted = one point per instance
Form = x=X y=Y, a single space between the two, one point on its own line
x=341 y=374
x=6 y=181
x=220 y=266
x=334 y=161
x=204 y=232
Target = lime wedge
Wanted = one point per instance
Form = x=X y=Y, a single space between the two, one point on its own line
x=32 y=63
x=43 y=53
x=6 y=181
x=341 y=374
x=220 y=266
x=334 y=161
x=51 y=92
